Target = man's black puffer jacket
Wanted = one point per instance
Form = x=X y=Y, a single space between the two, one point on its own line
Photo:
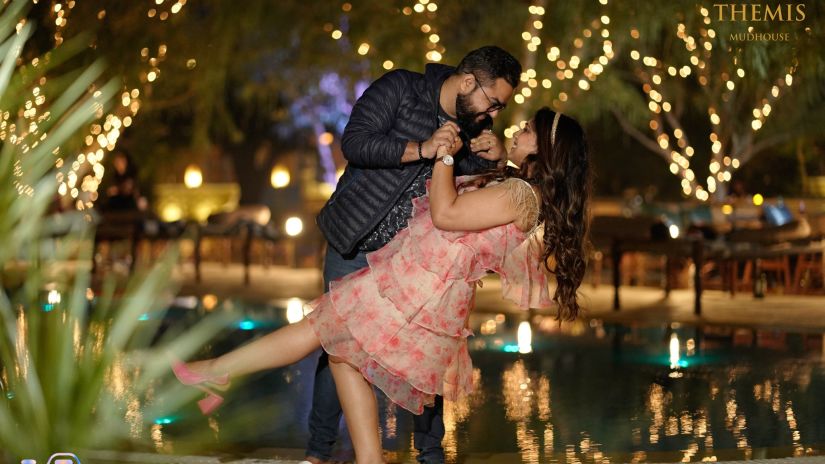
x=400 y=106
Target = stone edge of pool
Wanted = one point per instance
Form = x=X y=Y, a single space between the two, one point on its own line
x=153 y=458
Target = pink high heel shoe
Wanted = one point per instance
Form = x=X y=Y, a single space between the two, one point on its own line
x=206 y=384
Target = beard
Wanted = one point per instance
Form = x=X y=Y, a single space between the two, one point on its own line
x=468 y=118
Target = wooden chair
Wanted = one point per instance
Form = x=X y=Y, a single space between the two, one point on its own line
x=767 y=250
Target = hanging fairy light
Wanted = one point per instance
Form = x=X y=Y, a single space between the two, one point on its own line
x=104 y=133
x=568 y=68
x=23 y=127
x=60 y=13
x=24 y=130
x=700 y=52
x=427 y=8
x=435 y=49
x=80 y=174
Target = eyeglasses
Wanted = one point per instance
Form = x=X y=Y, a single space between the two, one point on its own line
x=495 y=105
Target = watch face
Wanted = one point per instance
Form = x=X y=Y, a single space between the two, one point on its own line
x=447 y=159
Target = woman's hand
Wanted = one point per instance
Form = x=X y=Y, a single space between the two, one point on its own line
x=451 y=150
x=488 y=146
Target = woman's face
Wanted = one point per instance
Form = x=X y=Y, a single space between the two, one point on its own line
x=120 y=163
x=525 y=143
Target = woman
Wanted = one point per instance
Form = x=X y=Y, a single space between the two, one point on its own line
x=400 y=324
x=123 y=193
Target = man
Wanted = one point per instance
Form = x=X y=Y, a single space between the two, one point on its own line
x=390 y=143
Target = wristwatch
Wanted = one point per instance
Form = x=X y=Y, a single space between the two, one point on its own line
x=447 y=160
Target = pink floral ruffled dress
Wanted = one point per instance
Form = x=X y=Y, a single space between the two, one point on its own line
x=402 y=320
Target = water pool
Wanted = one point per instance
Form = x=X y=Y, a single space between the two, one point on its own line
x=587 y=392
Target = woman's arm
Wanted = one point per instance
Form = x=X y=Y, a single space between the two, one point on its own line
x=476 y=210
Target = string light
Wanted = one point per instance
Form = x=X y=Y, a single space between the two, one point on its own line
x=427 y=8
x=700 y=52
x=103 y=134
x=569 y=68
x=436 y=49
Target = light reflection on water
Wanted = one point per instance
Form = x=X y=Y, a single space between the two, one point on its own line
x=588 y=392
x=22 y=346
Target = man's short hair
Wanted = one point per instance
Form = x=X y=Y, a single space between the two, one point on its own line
x=489 y=63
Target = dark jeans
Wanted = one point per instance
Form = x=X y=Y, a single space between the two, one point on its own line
x=326 y=410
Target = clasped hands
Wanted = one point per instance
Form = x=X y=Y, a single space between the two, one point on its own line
x=486 y=145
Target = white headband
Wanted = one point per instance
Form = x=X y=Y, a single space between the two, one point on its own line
x=553 y=130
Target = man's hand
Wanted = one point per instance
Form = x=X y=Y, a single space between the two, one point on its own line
x=446 y=136
x=488 y=146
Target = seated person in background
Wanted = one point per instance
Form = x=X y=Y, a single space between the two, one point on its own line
x=122 y=193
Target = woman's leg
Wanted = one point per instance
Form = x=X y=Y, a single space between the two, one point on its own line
x=282 y=347
x=360 y=411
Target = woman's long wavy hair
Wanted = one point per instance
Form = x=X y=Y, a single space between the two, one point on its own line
x=562 y=171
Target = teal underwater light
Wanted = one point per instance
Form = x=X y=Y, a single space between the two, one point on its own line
x=510 y=348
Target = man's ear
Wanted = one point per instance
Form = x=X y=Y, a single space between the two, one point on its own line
x=467 y=84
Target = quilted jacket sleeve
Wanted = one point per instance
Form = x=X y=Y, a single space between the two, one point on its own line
x=367 y=142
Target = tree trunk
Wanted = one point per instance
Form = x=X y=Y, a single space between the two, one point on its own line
x=803 y=172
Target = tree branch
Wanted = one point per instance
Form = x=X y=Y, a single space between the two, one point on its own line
x=674 y=123
x=764 y=144
x=639 y=136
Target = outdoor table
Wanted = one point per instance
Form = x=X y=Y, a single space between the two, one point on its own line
x=693 y=248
